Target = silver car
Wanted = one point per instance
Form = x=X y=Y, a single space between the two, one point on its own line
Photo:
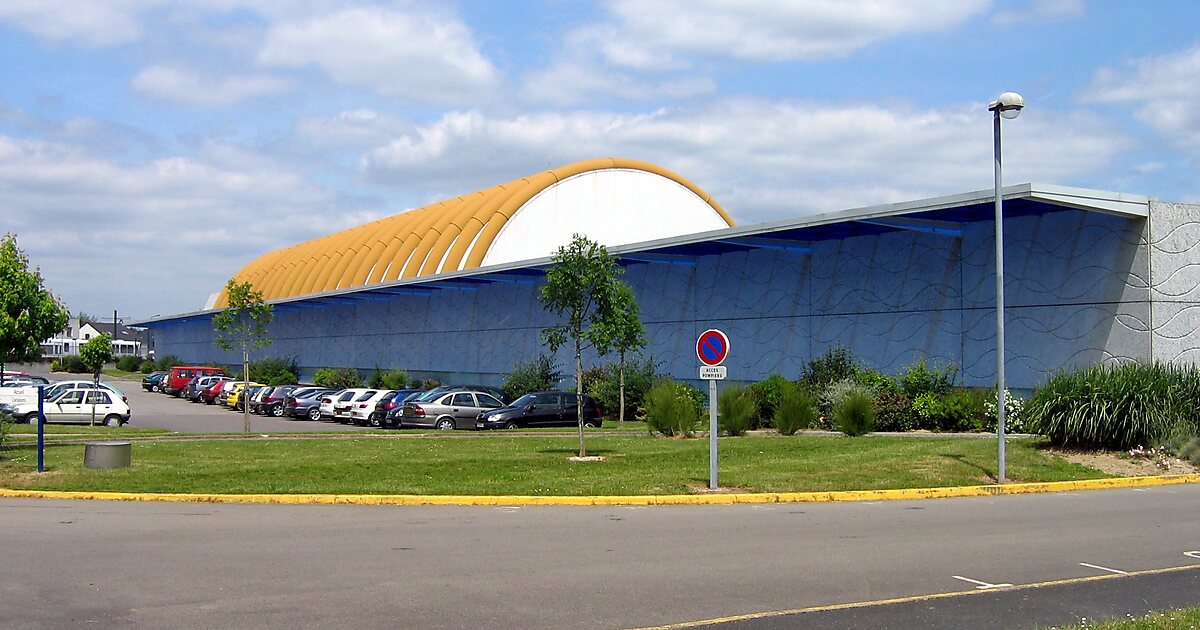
x=451 y=410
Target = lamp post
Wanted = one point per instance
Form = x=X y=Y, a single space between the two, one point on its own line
x=1008 y=105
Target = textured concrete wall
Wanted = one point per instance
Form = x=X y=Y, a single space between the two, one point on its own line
x=1079 y=291
x=1175 y=281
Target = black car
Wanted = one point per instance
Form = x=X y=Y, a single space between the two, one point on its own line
x=389 y=408
x=272 y=401
x=541 y=409
x=152 y=382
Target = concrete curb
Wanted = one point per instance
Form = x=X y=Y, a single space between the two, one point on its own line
x=676 y=499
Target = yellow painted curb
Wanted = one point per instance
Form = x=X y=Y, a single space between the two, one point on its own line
x=666 y=499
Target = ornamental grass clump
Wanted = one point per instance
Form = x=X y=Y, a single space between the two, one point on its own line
x=671 y=409
x=854 y=414
x=1116 y=407
x=796 y=410
x=736 y=410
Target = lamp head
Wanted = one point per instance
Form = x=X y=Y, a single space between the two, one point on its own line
x=1008 y=105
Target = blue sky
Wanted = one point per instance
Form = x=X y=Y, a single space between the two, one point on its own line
x=151 y=148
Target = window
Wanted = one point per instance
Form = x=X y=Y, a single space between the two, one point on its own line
x=366 y=395
x=488 y=402
x=73 y=397
x=546 y=400
x=463 y=400
x=97 y=397
x=570 y=400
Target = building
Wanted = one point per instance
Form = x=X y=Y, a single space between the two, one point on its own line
x=450 y=290
x=127 y=341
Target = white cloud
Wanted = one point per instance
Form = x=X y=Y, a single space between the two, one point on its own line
x=1164 y=91
x=190 y=88
x=411 y=56
x=762 y=159
x=651 y=35
x=1042 y=11
x=573 y=82
x=88 y=22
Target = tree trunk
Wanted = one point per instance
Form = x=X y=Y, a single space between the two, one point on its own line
x=96 y=382
x=579 y=395
x=1 y=374
x=621 y=420
x=245 y=387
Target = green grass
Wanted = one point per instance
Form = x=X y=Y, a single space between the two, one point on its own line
x=1182 y=619
x=503 y=464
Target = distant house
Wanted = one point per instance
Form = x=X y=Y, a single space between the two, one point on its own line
x=128 y=341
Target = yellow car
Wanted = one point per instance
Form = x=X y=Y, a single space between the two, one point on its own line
x=233 y=399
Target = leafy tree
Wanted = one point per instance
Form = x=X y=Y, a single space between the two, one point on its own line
x=536 y=375
x=29 y=313
x=626 y=330
x=581 y=288
x=94 y=354
x=243 y=324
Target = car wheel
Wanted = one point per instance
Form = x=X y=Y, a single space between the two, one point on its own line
x=445 y=424
x=314 y=414
x=30 y=418
x=511 y=425
x=589 y=424
x=112 y=421
x=277 y=411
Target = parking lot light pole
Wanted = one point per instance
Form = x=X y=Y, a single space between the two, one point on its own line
x=1008 y=105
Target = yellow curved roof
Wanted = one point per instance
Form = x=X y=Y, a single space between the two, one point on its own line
x=415 y=243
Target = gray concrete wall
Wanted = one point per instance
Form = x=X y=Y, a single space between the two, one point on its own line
x=1080 y=290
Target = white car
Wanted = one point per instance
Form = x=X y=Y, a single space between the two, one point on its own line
x=364 y=406
x=347 y=399
x=57 y=388
x=327 y=403
x=78 y=406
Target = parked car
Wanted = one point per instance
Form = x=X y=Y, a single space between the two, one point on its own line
x=195 y=387
x=305 y=402
x=451 y=410
x=222 y=393
x=233 y=399
x=179 y=376
x=78 y=405
x=329 y=401
x=344 y=403
x=541 y=409
x=152 y=382
x=389 y=409
x=239 y=400
x=60 y=386
x=367 y=409
x=209 y=394
x=271 y=401
x=436 y=392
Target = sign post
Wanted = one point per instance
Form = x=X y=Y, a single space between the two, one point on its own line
x=711 y=348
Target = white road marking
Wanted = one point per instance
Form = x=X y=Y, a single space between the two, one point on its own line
x=508 y=508
x=1096 y=566
x=1192 y=554
x=978 y=583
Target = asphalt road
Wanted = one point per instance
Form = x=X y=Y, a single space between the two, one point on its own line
x=182 y=565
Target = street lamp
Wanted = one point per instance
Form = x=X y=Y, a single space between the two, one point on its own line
x=1009 y=106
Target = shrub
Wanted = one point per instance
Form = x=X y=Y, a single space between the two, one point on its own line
x=919 y=378
x=854 y=414
x=766 y=397
x=426 y=383
x=1116 y=406
x=671 y=408
x=536 y=375
x=604 y=385
x=167 y=362
x=833 y=366
x=894 y=412
x=836 y=391
x=736 y=410
x=274 y=371
x=5 y=421
x=337 y=378
x=958 y=410
x=73 y=364
x=389 y=379
x=875 y=381
x=147 y=366
x=796 y=410
x=1013 y=420
x=129 y=364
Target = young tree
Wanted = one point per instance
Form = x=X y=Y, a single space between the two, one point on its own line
x=627 y=332
x=243 y=324
x=581 y=287
x=29 y=313
x=94 y=354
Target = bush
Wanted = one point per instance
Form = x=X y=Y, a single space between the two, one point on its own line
x=919 y=378
x=337 y=378
x=73 y=364
x=836 y=391
x=894 y=412
x=958 y=410
x=5 y=421
x=796 y=410
x=167 y=362
x=603 y=384
x=147 y=366
x=854 y=414
x=129 y=364
x=536 y=375
x=766 y=396
x=736 y=410
x=1116 y=406
x=875 y=381
x=831 y=367
x=389 y=379
x=1014 y=422
x=671 y=408
x=273 y=372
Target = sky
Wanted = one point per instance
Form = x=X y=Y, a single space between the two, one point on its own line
x=149 y=149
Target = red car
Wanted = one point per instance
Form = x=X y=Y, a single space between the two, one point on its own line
x=174 y=382
x=209 y=394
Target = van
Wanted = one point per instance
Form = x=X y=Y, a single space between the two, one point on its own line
x=178 y=378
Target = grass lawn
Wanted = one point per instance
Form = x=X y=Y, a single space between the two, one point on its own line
x=535 y=465
x=1183 y=619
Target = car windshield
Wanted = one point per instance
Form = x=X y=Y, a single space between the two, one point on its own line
x=524 y=400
